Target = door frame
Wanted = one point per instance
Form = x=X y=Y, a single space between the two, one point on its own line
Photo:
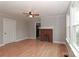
x=4 y=42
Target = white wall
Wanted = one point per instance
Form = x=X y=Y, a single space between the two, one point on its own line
x=1 y=30
x=21 y=28
x=58 y=24
x=27 y=29
x=31 y=30
x=31 y=27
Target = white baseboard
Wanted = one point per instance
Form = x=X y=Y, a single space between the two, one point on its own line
x=20 y=39
x=31 y=38
x=59 y=42
x=13 y=41
x=2 y=45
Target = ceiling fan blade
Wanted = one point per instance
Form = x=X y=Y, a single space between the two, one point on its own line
x=35 y=14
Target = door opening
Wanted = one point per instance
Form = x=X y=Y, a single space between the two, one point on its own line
x=37 y=30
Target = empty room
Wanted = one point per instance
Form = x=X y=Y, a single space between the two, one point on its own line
x=39 y=28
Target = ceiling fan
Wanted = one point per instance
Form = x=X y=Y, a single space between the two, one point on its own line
x=31 y=14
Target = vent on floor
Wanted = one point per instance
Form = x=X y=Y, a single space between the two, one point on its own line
x=65 y=55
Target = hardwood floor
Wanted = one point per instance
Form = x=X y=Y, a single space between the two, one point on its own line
x=33 y=48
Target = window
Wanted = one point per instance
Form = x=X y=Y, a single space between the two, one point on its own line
x=73 y=25
x=77 y=35
x=76 y=26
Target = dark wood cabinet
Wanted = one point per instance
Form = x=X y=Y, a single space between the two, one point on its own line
x=46 y=35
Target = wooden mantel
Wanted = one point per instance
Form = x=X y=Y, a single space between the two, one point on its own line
x=45 y=28
x=46 y=34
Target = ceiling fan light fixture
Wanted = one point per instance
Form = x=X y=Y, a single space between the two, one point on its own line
x=30 y=16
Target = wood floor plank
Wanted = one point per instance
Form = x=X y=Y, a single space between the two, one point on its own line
x=33 y=48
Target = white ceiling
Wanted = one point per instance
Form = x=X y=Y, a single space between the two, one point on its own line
x=45 y=8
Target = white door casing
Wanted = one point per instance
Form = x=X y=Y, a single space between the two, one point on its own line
x=9 y=30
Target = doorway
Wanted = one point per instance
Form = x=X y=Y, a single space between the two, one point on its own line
x=9 y=30
x=38 y=25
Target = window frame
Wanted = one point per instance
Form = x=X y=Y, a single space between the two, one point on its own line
x=72 y=27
